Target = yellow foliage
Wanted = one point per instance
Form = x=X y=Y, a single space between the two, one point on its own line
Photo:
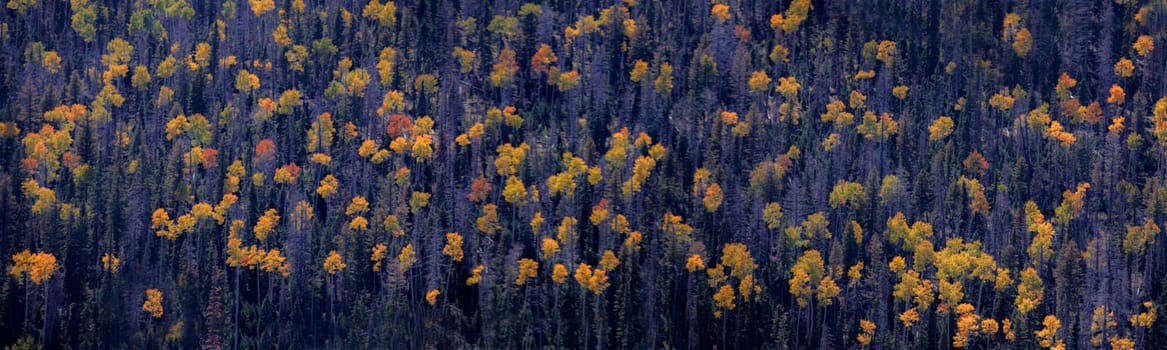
x=1029 y=291
x=358 y=205
x=465 y=59
x=259 y=7
x=788 y=87
x=488 y=222
x=527 y=269
x=385 y=14
x=110 y=263
x=328 y=186
x=1118 y=343
x=1143 y=46
x=639 y=71
x=378 y=255
x=868 y=333
x=664 y=81
x=453 y=247
x=266 y=224
x=772 y=215
x=855 y=272
x=1002 y=100
x=515 y=192
x=1124 y=68
x=910 y=317
x=808 y=268
x=940 y=128
x=549 y=247
x=900 y=92
x=1146 y=318
x=759 y=81
x=559 y=273
x=827 y=291
x=1022 y=42
x=886 y=52
x=779 y=53
x=724 y=297
x=966 y=324
x=632 y=242
x=334 y=263
x=846 y=193
x=431 y=296
x=609 y=261
x=386 y=61
x=475 y=275
x=595 y=280
x=359 y=223
x=407 y=257
x=503 y=72
x=713 y=197
x=720 y=12
x=795 y=15
x=153 y=304
x=1117 y=95
x=38 y=266
x=1047 y=336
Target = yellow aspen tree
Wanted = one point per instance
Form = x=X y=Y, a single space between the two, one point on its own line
x=940 y=128
x=1124 y=68
x=385 y=14
x=868 y=332
x=1029 y=291
x=759 y=81
x=377 y=256
x=794 y=15
x=334 y=263
x=528 y=268
x=418 y=200
x=431 y=296
x=788 y=87
x=488 y=222
x=153 y=304
x=664 y=80
x=1047 y=337
x=110 y=262
x=1143 y=45
x=453 y=247
x=502 y=74
x=608 y=261
x=559 y=273
x=1146 y=318
x=406 y=258
x=515 y=192
x=900 y=92
x=967 y=324
x=909 y=318
x=827 y=291
x=266 y=224
x=475 y=275
x=808 y=268
x=723 y=300
x=600 y=212
x=713 y=197
x=632 y=242
x=38 y=266
x=549 y=247
x=328 y=186
x=694 y=263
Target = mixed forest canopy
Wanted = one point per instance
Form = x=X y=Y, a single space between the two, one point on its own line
x=870 y=174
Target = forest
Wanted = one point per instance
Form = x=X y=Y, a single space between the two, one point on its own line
x=647 y=174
